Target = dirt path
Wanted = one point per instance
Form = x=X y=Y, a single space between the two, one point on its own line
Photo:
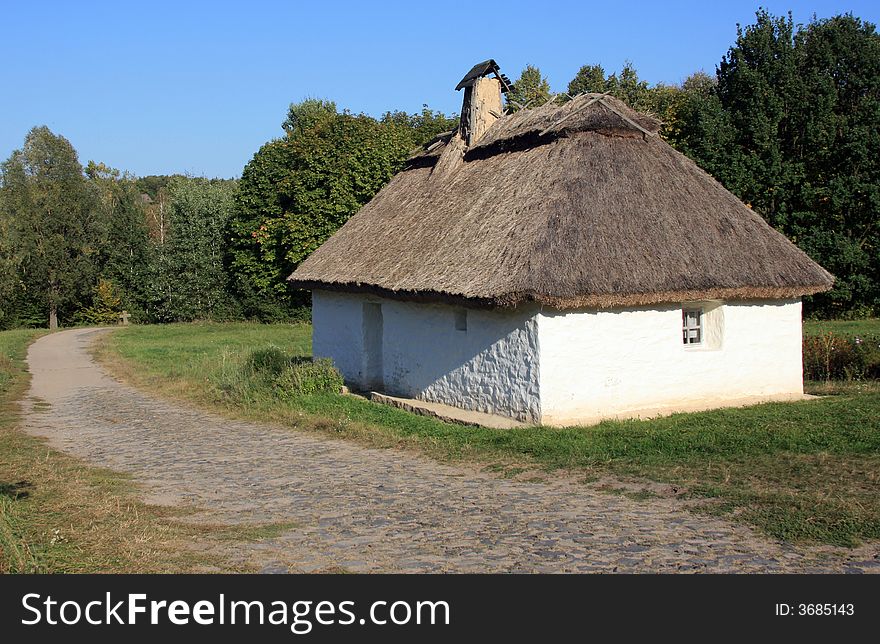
x=364 y=509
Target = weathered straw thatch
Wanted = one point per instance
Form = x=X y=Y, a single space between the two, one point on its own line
x=574 y=205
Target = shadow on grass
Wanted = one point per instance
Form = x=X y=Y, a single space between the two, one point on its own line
x=17 y=490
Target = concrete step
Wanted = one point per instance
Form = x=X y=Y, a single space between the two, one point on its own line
x=447 y=413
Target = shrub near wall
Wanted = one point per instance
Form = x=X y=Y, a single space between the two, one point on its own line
x=833 y=356
x=276 y=373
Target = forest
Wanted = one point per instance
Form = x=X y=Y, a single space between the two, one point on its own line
x=789 y=122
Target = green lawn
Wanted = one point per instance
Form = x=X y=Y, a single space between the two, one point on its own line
x=868 y=326
x=798 y=471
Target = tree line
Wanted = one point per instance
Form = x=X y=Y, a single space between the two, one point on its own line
x=79 y=245
x=789 y=122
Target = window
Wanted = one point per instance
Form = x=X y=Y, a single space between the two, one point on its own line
x=692 y=326
x=702 y=325
x=461 y=320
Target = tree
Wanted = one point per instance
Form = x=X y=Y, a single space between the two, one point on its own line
x=125 y=253
x=257 y=278
x=836 y=123
x=625 y=85
x=51 y=217
x=8 y=271
x=530 y=90
x=106 y=305
x=758 y=87
x=422 y=127
x=310 y=116
x=804 y=105
x=628 y=87
x=590 y=78
x=297 y=191
x=153 y=184
x=188 y=279
x=698 y=126
x=664 y=102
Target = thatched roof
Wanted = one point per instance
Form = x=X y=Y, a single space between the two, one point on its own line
x=573 y=205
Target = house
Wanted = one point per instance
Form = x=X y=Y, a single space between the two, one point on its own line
x=559 y=265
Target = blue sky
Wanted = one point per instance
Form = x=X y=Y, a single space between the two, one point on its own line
x=197 y=87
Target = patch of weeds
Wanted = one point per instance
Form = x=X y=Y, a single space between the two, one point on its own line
x=292 y=375
x=17 y=490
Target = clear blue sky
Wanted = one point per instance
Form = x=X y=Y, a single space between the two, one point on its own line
x=197 y=87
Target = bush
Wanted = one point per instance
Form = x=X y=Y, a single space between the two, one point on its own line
x=314 y=377
x=106 y=305
x=269 y=363
x=291 y=375
x=841 y=357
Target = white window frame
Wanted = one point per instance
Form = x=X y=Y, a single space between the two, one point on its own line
x=687 y=328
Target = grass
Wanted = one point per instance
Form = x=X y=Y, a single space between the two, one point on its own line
x=803 y=471
x=867 y=326
x=59 y=515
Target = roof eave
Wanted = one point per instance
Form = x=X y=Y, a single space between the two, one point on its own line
x=568 y=302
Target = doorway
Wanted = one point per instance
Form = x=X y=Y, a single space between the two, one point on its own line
x=372 y=320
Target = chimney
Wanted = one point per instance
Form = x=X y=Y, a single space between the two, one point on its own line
x=482 y=100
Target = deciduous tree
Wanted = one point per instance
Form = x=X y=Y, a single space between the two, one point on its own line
x=125 y=252
x=836 y=138
x=298 y=190
x=51 y=215
x=188 y=280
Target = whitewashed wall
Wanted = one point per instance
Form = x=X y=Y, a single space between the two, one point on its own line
x=491 y=367
x=592 y=364
x=337 y=332
x=599 y=363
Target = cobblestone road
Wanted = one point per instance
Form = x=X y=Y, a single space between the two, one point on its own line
x=363 y=509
